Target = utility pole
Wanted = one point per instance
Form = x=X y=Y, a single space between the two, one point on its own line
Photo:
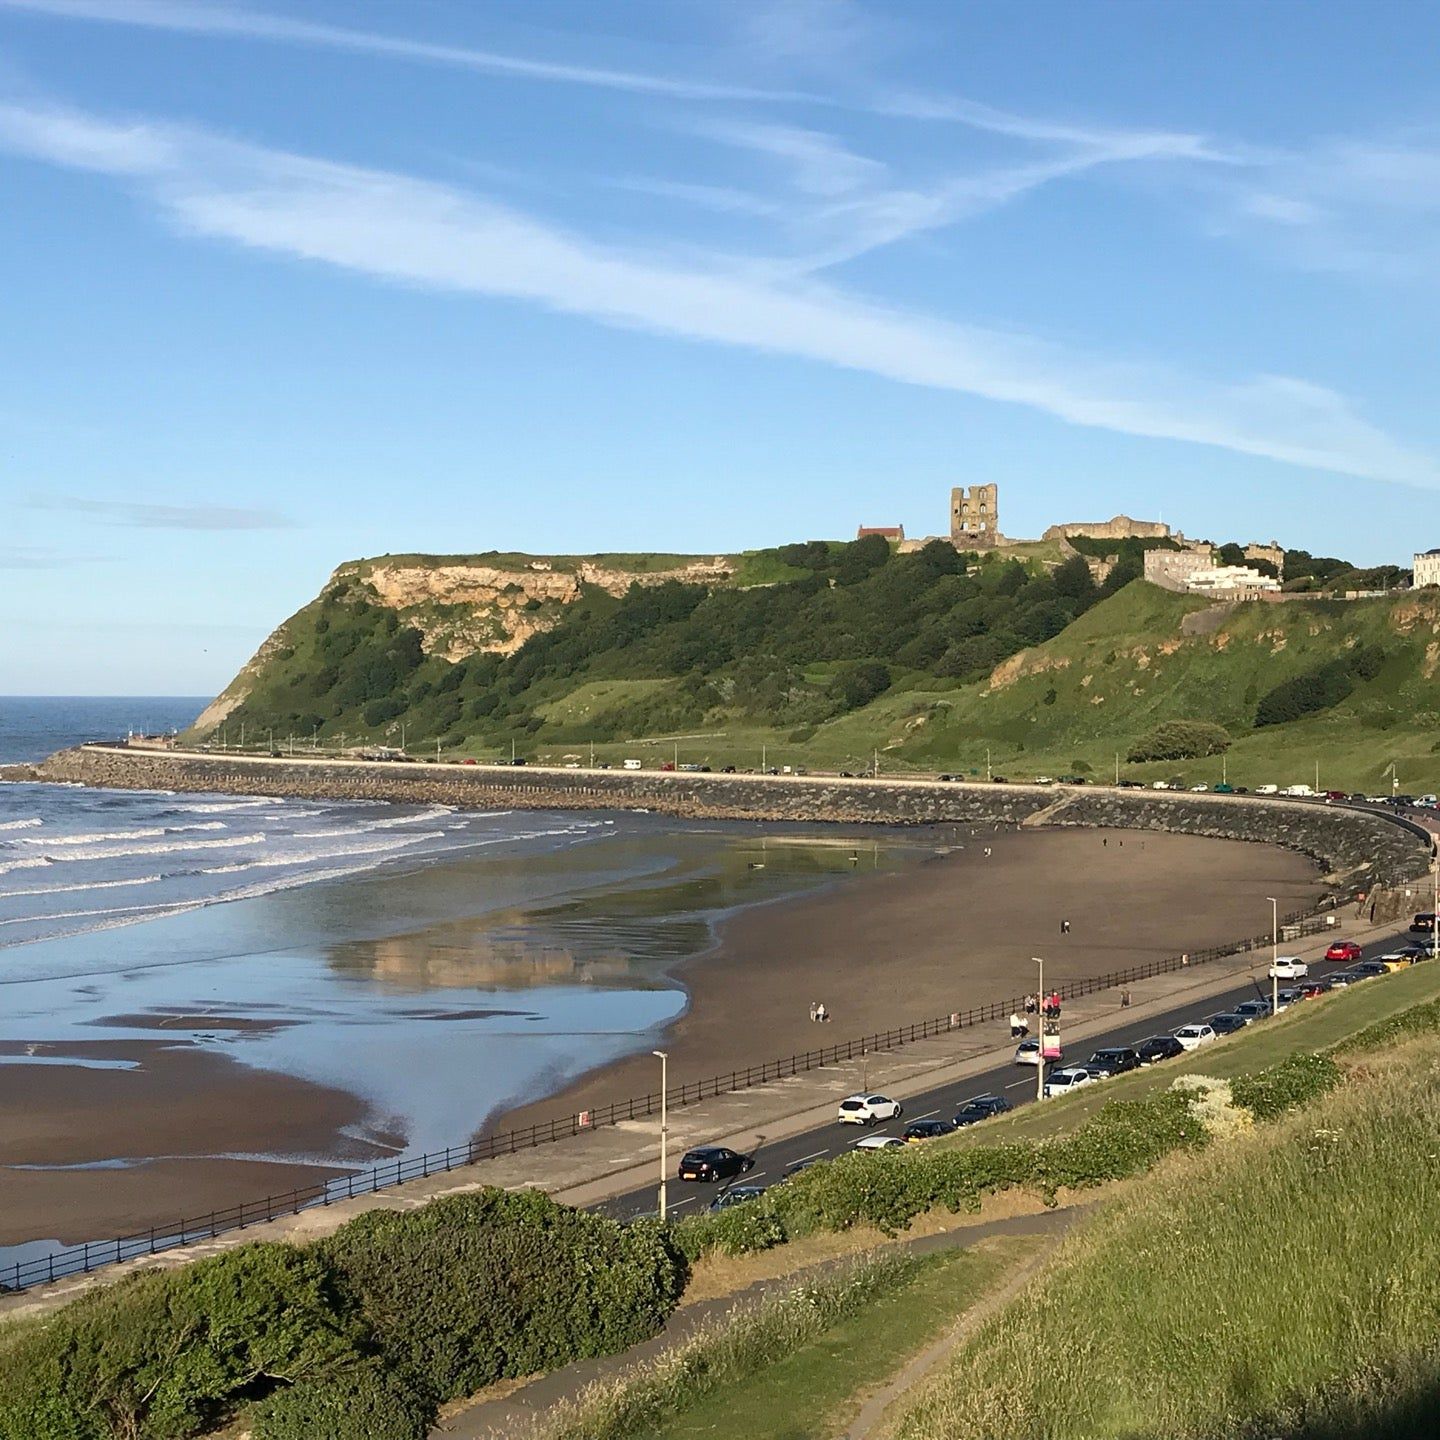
x=242 y=734
x=875 y=764
x=1274 y=954
x=1435 y=911
x=677 y=754
x=664 y=1060
x=763 y=766
x=1117 y=767
x=1317 y=777
x=1040 y=1016
x=987 y=763
x=512 y=749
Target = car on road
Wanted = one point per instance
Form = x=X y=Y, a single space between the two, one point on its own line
x=1312 y=989
x=1341 y=978
x=1192 y=1037
x=1113 y=1060
x=1252 y=1010
x=1288 y=967
x=1062 y=1082
x=1227 y=1023
x=1345 y=951
x=1395 y=960
x=709 y=1163
x=1027 y=1052
x=980 y=1107
x=1267 y=789
x=919 y=1130
x=1290 y=995
x=1368 y=969
x=867 y=1109
x=736 y=1195
x=796 y=1166
x=1423 y=923
x=1158 y=1047
x=880 y=1142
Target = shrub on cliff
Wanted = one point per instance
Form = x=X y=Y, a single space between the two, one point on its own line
x=1180 y=740
x=361 y=1402
x=473 y=1288
x=167 y=1354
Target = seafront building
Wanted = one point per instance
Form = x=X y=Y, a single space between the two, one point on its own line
x=1427 y=569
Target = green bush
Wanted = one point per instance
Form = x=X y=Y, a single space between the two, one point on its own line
x=170 y=1353
x=738 y=1230
x=1417 y=1020
x=1295 y=1081
x=361 y=1402
x=472 y=1288
x=1180 y=740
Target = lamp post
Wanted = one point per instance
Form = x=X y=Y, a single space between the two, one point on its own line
x=664 y=1060
x=1435 y=910
x=1274 y=954
x=1040 y=1016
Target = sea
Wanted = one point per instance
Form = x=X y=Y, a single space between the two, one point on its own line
x=442 y=965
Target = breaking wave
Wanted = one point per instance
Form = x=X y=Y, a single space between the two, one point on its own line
x=21 y=824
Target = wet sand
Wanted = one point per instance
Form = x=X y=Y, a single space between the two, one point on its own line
x=958 y=930
x=879 y=947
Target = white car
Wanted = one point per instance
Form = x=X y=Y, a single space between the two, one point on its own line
x=1027 y=1052
x=881 y=1142
x=1062 y=1082
x=867 y=1109
x=1288 y=967
x=1198 y=789
x=1192 y=1037
x=1161 y=785
x=1267 y=789
x=1297 y=790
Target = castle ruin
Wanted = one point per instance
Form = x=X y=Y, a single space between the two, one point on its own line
x=975 y=517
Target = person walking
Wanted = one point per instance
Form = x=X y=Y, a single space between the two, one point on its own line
x=1125 y=999
x=1019 y=1026
x=821 y=1013
x=814 y=1009
x=1064 y=927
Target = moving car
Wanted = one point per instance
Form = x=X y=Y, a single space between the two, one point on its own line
x=1267 y=789
x=919 y=1130
x=880 y=1142
x=1192 y=1037
x=1062 y=1082
x=1114 y=1060
x=1027 y=1052
x=1158 y=1047
x=1343 y=950
x=736 y=1195
x=1227 y=1023
x=867 y=1109
x=1288 y=967
x=1252 y=1010
x=981 y=1107
x=714 y=1162
x=1424 y=923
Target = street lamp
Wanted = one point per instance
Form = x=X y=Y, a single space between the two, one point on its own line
x=1274 y=954
x=1435 y=910
x=664 y=1060
x=1040 y=1016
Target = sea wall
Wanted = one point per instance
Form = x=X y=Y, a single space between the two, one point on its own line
x=1359 y=847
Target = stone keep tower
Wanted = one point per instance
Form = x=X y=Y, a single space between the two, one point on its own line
x=975 y=517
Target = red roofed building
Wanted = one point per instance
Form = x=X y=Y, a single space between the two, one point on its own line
x=887 y=532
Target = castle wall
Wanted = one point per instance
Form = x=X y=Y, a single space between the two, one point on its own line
x=1120 y=527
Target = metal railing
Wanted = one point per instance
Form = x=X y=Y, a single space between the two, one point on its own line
x=94 y=1254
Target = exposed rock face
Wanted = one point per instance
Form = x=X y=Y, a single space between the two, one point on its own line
x=1358 y=847
x=464 y=608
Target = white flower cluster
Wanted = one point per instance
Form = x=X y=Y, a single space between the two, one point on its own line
x=1214 y=1107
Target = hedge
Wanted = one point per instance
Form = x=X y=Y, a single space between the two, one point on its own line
x=364 y=1399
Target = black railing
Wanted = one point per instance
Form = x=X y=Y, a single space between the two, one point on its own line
x=81 y=1259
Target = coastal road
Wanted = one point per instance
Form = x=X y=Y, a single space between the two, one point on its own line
x=1015 y=1082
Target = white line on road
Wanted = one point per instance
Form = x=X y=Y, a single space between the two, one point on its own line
x=925 y=1116
x=1016 y=1084
x=815 y=1156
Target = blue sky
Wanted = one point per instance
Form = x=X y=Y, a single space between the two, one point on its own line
x=282 y=285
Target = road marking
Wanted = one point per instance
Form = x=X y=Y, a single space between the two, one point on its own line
x=815 y=1156
x=925 y=1116
x=1016 y=1084
x=749 y=1176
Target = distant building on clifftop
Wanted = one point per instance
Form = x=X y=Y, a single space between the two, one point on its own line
x=975 y=517
x=886 y=532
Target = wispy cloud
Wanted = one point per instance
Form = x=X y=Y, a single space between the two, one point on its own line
x=398 y=228
x=189 y=18
x=164 y=517
x=40 y=557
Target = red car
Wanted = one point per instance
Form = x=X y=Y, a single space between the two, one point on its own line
x=1345 y=950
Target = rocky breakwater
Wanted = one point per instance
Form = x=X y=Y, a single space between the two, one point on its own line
x=1356 y=847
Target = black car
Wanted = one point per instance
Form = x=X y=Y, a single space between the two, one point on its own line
x=1249 y=1010
x=1424 y=923
x=1419 y=950
x=999 y=780
x=736 y=1195
x=1159 y=1047
x=714 y=1162
x=1368 y=969
x=1227 y=1023
x=796 y=1166
x=927 y=1130
x=1114 y=1060
x=982 y=1107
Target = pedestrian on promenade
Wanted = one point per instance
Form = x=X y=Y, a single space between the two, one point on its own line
x=1125 y=999
x=1032 y=1004
x=1019 y=1026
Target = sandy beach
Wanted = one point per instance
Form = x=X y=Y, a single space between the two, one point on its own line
x=182 y=1128
x=957 y=930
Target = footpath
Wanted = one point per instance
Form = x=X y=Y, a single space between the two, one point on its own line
x=614 y=1160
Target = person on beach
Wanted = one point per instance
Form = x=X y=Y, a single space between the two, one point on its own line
x=987 y=852
x=821 y=1013
x=814 y=1010
x=1064 y=927
x=1019 y=1026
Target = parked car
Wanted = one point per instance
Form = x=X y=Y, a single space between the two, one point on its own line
x=1192 y=1037
x=1027 y=1052
x=1368 y=969
x=981 y=1107
x=1062 y=1082
x=714 y=1162
x=1252 y=1010
x=867 y=1109
x=1342 y=978
x=919 y=1130
x=1290 y=995
x=1288 y=967
x=880 y=1142
x=1113 y=1060
x=1395 y=960
x=1313 y=988
x=1343 y=950
x=736 y=1195
x=1424 y=923
x=1267 y=789
x=1158 y=1047
x=1227 y=1023
x=1298 y=790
